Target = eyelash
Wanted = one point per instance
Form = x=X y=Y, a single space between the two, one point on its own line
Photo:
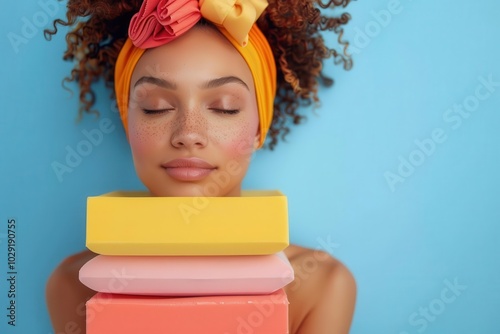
x=226 y=111
x=153 y=112
x=222 y=111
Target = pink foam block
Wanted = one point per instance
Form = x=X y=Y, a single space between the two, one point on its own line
x=126 y=314
x=187 y=275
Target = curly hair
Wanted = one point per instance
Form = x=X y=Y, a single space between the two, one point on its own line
x=98 y=30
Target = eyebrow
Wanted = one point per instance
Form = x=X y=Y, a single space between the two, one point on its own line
x=156 y=81
x=214 y=83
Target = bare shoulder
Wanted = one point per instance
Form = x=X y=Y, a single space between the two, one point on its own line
x=66 y=296
x=322 y=296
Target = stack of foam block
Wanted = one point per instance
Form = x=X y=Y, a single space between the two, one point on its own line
x=187 y=265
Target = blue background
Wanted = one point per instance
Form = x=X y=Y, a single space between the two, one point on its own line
x=405 y=244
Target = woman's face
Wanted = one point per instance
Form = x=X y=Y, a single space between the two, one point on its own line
x=193 y=120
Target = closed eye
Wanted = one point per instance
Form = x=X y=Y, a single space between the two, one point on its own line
x=156 y=111
x=225 y=111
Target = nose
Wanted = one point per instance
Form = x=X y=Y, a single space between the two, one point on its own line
x=189 y=130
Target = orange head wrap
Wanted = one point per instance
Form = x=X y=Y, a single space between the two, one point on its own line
x=160 y=21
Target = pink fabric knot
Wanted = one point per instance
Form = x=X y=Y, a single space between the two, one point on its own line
x=160 y=21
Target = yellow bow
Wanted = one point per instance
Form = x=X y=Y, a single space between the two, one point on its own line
x=236 y=16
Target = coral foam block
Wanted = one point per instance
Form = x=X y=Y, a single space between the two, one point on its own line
x=126 y=314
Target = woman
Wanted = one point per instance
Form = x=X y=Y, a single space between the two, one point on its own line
x=197 y=96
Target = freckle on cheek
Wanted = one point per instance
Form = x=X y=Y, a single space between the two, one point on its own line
x=140 y=137
x=240 y=141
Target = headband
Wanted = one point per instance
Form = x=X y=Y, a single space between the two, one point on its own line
x=161 y=21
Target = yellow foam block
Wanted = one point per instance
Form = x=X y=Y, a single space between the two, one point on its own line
x=133 y=223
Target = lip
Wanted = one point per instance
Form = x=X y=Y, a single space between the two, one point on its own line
x=188 y=169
